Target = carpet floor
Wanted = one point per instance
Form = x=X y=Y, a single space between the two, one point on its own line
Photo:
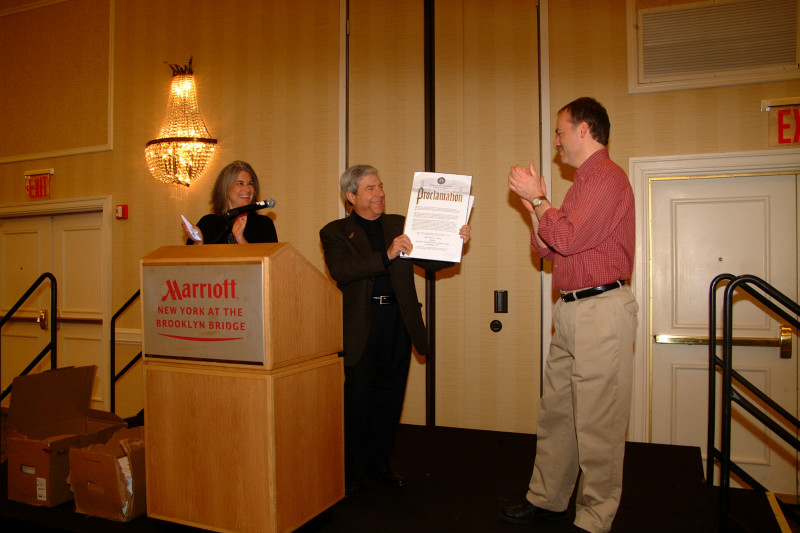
x=458 y=480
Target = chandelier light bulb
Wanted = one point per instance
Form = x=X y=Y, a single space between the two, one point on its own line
x=184 y=146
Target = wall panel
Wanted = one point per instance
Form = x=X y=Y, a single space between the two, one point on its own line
x=486 y=119
x=487 y=110
x=55 y=92
x=387 y=121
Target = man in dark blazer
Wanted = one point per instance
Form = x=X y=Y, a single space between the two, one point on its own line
x=382 y=319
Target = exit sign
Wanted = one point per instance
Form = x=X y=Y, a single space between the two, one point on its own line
x=38 y=185
x=784 y=125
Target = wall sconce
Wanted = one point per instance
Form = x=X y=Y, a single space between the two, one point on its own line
x=184 y=146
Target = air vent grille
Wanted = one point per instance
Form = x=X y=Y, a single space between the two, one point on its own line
x=709 y=39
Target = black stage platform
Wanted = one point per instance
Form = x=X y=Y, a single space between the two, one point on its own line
x=459 y=479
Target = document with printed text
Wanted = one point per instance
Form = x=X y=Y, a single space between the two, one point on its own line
x=439 y=205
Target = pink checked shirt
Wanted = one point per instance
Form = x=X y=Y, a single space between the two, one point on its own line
x=591 y=238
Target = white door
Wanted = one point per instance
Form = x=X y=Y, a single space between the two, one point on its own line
x=70 y=247
x=702 y=228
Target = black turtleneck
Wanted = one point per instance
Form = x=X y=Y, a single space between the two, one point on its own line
x=374 y=231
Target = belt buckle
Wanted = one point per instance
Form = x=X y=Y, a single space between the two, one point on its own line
x=384 y=300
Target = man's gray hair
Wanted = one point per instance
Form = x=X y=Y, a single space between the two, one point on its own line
x=351 y=177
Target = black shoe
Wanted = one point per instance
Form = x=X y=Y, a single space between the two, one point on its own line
x=527 y=513
x=387 y=476
x=353 y=485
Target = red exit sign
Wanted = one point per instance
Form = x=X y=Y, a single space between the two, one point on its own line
x=38 y=185
x=784 y=125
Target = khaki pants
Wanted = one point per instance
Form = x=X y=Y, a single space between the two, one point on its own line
x=585 y=406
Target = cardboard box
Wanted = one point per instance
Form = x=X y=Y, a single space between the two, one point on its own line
x=108 y=479
x=49 y=414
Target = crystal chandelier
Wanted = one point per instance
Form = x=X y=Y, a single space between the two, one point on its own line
x=184 y=146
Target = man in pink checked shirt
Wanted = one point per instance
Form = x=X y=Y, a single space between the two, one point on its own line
x=588 y=374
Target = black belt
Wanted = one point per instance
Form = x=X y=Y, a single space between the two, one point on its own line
x=594 y=291
x=383 y=300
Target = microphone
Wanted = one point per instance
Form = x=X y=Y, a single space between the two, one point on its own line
x=255 y=206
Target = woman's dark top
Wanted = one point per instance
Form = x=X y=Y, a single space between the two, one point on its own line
x=215 y=230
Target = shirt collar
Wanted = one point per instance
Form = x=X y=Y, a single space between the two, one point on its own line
x=591 y=162
x=363 y=221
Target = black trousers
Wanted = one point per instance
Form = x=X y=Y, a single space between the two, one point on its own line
x=374 y=390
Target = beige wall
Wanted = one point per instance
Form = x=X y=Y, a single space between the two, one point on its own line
x=386 y=120
x=486 y=111
x=267 y=76
x=588 y=58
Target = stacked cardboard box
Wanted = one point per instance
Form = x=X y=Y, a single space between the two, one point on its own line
x=49 y=414
x=108 y=478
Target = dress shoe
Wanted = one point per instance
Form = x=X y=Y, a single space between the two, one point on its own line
x=387 y=476
x=353 y=485
x=527 y=513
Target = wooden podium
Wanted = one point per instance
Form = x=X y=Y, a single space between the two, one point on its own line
x=243 y=387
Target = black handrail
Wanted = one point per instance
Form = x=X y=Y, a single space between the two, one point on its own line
x=113 y=351
x=787 y=309
x=52 y=346
x=713 y=362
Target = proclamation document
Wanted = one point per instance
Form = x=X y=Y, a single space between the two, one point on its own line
x=439 y=205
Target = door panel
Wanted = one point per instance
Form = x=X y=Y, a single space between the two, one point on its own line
x=77 y=259
x=701 y=228
x=25 y=245
x=77 y=250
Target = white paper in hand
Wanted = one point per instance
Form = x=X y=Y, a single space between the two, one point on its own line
x=193 y=232
x=439 y=205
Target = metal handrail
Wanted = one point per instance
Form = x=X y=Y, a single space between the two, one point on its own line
x=787 y=309
x=113 y=351
x=52 y=346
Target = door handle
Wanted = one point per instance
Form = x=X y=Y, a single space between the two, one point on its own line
x=42 y=319
x=783 y=342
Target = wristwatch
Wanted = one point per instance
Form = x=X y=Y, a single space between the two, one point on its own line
x=536 y=202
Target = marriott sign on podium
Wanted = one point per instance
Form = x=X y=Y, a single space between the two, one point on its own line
x=252 y=304
x=205 y=312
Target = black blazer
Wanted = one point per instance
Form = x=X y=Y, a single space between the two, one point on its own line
x=354 y=266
